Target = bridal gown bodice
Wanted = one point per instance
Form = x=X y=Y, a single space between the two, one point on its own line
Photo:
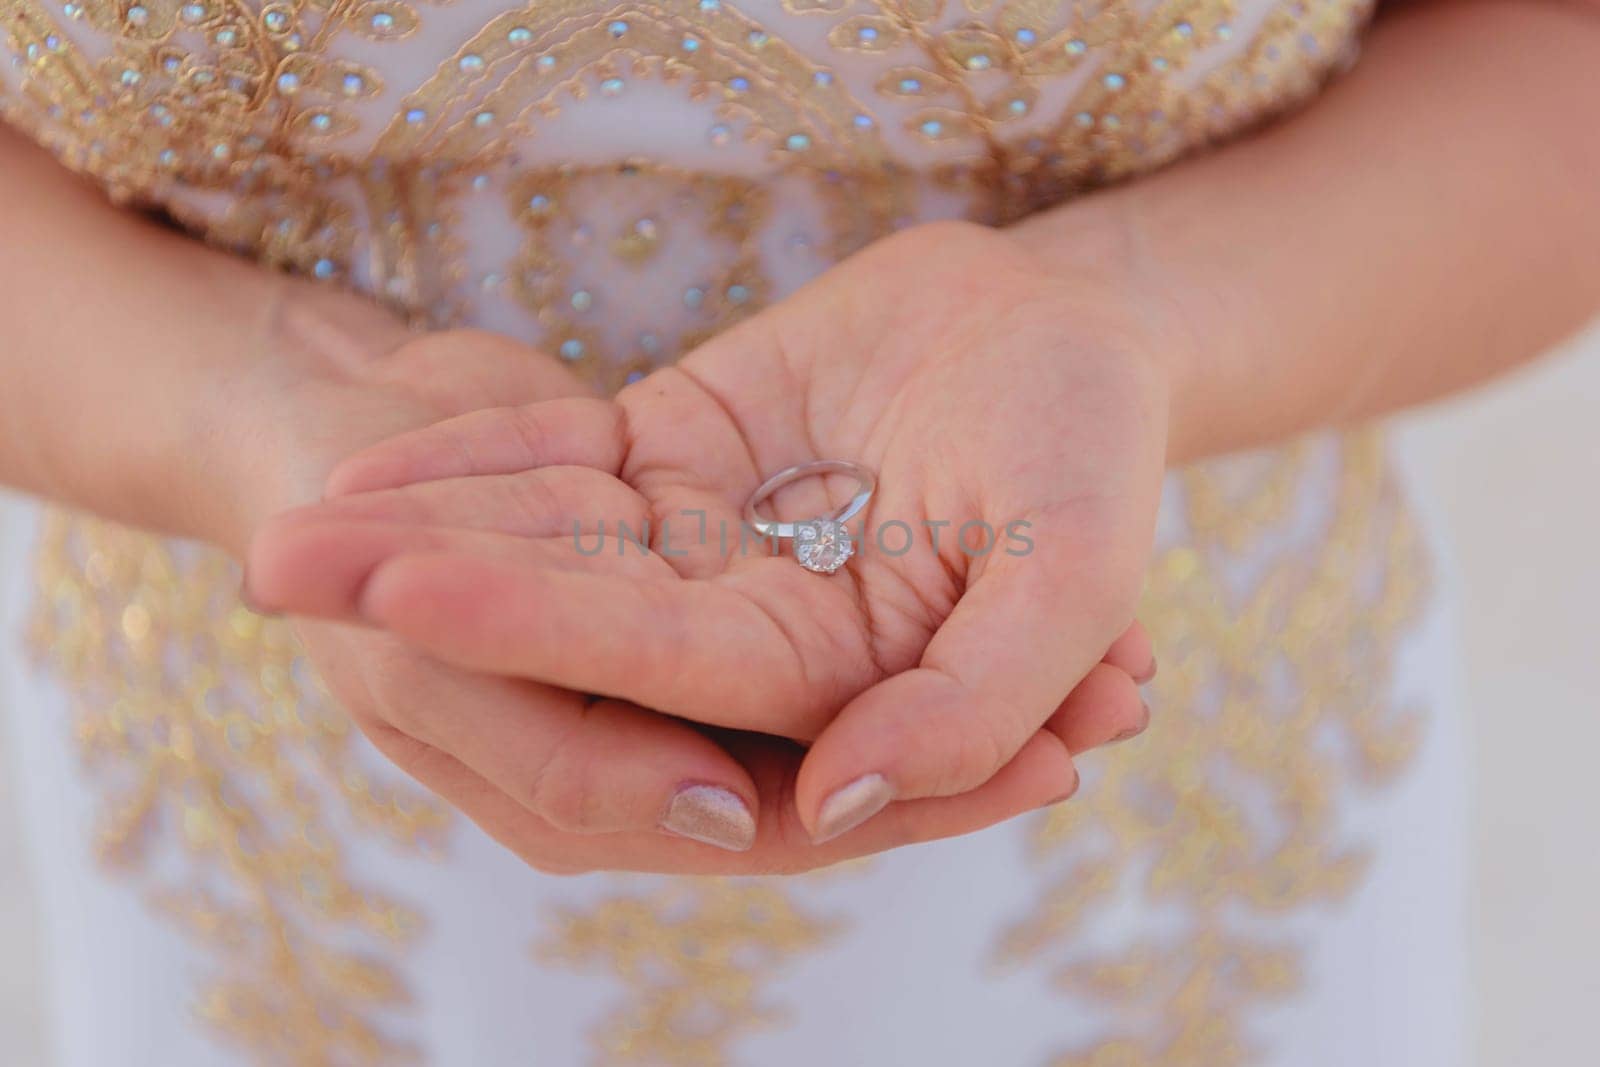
x=227 y=873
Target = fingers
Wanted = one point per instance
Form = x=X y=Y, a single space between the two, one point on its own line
x=1134 y=653
x=577 y=431
x=319 y=567
x=1019 y=638
x=1102 y=709
x=315 y=560
x=543 y=502
x=601 y=768
x=1040 y=774
x=691 y=648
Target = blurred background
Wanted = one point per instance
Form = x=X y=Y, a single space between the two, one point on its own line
x=1514 y=471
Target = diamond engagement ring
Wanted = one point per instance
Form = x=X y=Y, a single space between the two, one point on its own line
x=821 y=545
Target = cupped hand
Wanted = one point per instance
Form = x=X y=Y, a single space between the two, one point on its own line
x=1017 y=424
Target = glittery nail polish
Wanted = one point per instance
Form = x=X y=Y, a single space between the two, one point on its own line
x=711 y=815
x=851 y=805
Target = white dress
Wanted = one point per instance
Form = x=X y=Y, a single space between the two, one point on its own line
x=1273 y=875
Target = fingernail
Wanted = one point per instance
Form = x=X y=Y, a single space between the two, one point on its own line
x=1132 y=732
x=1072 y=791
x=1149 y=674
x=851 y=805
x=249 y=602
x=711 y=815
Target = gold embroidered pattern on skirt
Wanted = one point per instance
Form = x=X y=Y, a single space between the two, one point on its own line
x=692 y=957
x=1272 y=707
x=230 y=787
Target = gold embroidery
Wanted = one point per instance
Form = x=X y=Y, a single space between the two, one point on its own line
x=692 y=956
x=1227 y=814
x=255 y=127
x=223 y=760
x=716 y=261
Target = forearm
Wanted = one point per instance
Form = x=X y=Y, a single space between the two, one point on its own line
x=128 y=350
x=1433 y=219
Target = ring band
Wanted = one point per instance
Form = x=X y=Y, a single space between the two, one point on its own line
x=866 y=481
x=821 y=544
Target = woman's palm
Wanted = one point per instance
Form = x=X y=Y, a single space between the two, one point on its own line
x=1018 y=455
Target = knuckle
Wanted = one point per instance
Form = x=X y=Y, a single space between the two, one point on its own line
x=560 y=791
x=532 y=429
x=399 y=686
x=982 y=747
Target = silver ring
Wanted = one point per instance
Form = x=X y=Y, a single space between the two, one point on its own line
x=822 y=544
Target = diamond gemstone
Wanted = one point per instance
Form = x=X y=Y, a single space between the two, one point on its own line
x=823 y=546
